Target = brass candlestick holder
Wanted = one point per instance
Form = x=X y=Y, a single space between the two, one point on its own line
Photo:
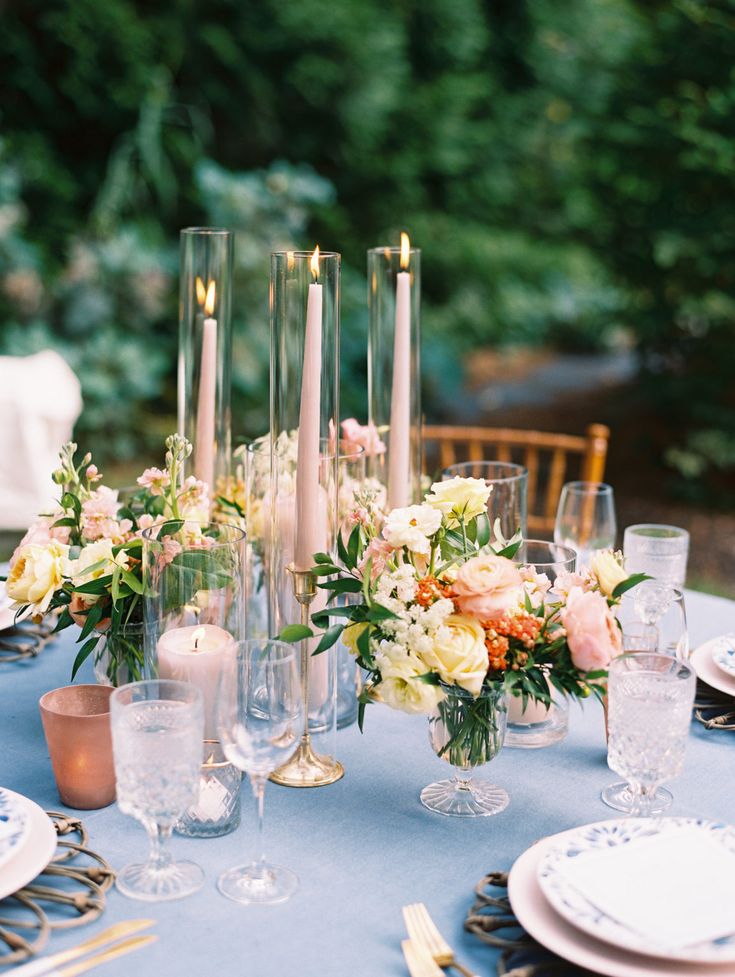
x=306 y=768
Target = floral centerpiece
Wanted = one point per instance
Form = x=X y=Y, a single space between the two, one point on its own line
x=446 y=623
x=83 y=560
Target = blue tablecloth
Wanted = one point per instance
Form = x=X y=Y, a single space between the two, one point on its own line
x=362 y=847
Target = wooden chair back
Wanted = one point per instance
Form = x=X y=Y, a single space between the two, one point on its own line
x=551 y=460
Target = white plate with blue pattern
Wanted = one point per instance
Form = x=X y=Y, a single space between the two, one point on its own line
x=14 y=824
x=724 y=655
x=575 y=907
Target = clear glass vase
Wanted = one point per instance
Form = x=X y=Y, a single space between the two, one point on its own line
x=119 y=656
x=468 y=733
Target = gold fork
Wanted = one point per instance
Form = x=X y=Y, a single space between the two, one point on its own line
x=419 y=961
x=422 y=929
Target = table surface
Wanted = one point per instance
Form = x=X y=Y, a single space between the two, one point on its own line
x=362 y=847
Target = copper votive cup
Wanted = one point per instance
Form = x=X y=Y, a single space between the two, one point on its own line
x=76 y=721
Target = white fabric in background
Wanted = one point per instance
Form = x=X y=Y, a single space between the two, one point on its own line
x=40 y=400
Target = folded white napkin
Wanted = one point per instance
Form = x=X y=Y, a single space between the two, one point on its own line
x=674 y=888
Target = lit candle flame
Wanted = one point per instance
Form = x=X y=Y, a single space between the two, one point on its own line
x=290 y=260
x=314 y=264
x=201 y=291
x=197 y=636
x=405 y=250
x=210 y=299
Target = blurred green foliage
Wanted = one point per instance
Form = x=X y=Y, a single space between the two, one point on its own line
x=566 y=169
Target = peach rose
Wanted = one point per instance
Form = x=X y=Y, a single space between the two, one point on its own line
x=592 y=632
x=487 y=586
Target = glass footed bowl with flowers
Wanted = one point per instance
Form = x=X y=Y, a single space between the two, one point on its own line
x=444 y=623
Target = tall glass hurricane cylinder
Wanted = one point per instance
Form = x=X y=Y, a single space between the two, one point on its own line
x=304 y=473
x=205 y=350
x=394 y=373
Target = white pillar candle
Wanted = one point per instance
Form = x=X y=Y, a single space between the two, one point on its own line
x=196 y=654
x=309 y=533
x=206 y=406
x=399 y=469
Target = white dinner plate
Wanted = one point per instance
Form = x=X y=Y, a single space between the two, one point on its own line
x=7 y=614
x=702 y=662
x=14 y=824
x=634 y=838
x=34 y=854
x=537 y=917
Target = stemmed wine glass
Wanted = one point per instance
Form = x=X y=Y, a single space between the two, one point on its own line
x=585 y=519
x=260 y=718
x=157 y=733
x=650 y=698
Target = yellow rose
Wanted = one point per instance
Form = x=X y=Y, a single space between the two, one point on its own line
x=350 y=637
x=401 y=687
x=460 y=498
x=608 y=571
x=459 y=654
x=36 y=574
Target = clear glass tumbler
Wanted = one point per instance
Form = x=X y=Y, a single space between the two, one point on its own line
x=157 y=731
x=660 y=551
x=585 y=519
x=650 y=699
x=508 y=501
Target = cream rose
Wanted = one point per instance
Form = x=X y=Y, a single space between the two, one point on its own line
x=460 y=498
x=411 y=527
x=593 y=635
x=459 y=654
x=608 y=570
x=401 y=687
x=37 y=574
x=487 y=586
x=94 y=561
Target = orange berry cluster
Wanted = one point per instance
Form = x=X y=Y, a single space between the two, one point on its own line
x=429 y=590
x=524 y=627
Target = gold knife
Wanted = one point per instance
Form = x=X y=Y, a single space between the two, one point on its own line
x=37 y=968
x=104 y=956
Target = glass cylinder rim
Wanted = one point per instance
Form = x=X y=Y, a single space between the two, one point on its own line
x=358 y=450
x=619 y=661
x=393 y=249
x=521 y=470
x=580 y=486
x=571 y=553
x=238 y=534
x=193 y=692
x=76 y=716
x=203 y=231
x=247 y=646
x=672 y=532
x=305 y=254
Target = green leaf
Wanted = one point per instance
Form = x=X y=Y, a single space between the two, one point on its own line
x=330 y=637
x=67 y=521
x=98 y=586
x=342 y=550
x=132 y=581
x=231 y=504
x=632 y=581
x=353 y=548
x=321 y=618
x=322 y=558
x=324 y=570
x=345 y=585
x=295 y=632
x=483 y=530
x=65 y=621
x=92 y=618
x=83 y=655
x=170 y=528
x=428 y=678
x=510 y=551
